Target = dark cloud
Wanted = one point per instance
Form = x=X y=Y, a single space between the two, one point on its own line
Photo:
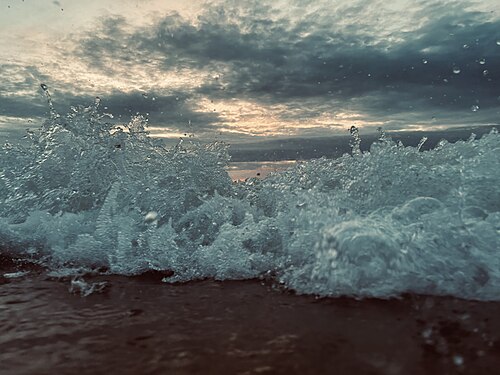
x=173 y=111
x=325 y=60
x=20 y=107
x=282 y=60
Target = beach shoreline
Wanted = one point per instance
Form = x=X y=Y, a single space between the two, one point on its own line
x=141 y=325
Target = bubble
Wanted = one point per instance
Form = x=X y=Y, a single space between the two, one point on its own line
x=474 y=108
x=465 y=46
x=498 y=42
x=424 y=61
x=144 y=95
x=456 y=70
x=485 y=72
x=44 y=86
x=482 y=61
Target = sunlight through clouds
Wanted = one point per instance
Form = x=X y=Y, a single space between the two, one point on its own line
x=259 y=68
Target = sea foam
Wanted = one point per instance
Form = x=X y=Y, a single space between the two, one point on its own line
x=86 y=193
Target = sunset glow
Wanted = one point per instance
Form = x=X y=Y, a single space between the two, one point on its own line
x=218 y=69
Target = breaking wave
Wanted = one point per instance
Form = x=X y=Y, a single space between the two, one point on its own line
x=85 y=194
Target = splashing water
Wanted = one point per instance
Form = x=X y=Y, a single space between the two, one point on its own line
x=86 y=193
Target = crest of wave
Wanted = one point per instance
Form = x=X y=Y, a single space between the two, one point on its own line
x=86 y=193
x=80 y=194
x=393 y=220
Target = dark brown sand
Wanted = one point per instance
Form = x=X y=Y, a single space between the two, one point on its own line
x=143 y=326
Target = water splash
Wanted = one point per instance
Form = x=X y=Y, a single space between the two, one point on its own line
x=88 y=193
x=52 y=111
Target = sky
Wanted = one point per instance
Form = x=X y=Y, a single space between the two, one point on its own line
x=252 y=70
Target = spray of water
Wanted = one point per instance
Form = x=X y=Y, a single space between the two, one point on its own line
x=394 y=219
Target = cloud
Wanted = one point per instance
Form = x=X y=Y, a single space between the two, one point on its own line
x=400 y=63
x=172 y=111
x=283 y=59
x=176 y=110
x=20 y=107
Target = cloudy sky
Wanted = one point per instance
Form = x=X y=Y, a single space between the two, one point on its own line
x=240 y=70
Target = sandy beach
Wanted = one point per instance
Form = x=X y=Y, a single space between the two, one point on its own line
x=141 y=325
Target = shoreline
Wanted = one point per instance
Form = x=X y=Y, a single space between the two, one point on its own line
x=140 y=325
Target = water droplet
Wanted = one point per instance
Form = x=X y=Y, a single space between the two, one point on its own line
x=427 y=333
x=474 y=108
x=150 y=216
x=485 y=72
x=456 y=70
x=482 y=61
x=458 y=360
x=424 y=61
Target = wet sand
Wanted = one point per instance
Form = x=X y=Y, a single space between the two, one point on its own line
x=142 y=326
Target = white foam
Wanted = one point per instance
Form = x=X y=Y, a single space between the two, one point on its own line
x=379 y=223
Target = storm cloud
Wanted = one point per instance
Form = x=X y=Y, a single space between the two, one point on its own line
x=451 y=62
x=433 y=63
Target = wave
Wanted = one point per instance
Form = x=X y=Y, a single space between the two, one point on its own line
x=86 y=193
